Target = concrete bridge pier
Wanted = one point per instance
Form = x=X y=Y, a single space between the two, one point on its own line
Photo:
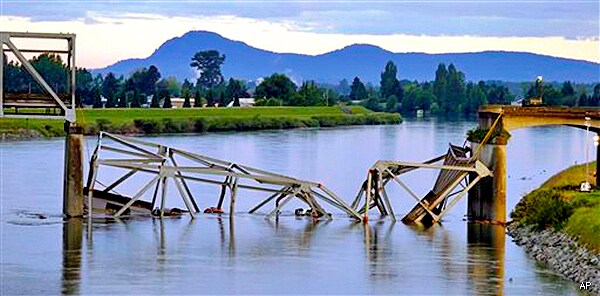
x=73 y=179
x=487 y=199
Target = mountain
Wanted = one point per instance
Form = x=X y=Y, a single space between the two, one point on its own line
x=363 y=60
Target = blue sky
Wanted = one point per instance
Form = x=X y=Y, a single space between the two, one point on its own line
x=560 y=28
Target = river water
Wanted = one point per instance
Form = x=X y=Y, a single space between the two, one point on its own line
x=253 y=255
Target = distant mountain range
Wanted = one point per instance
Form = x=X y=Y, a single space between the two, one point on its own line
x=363 y=60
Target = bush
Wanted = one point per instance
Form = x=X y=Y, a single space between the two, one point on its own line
x=147 y=126
x=543 y=208
x=477 y=135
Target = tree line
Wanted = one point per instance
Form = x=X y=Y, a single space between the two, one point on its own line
x=449 y=92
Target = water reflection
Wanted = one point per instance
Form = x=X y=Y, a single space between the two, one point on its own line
x=380 y=250
x=485 y=249
x=71 y=259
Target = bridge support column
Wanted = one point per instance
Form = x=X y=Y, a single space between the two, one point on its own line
x=487 y=199
x=73 y=179
x=598 y=163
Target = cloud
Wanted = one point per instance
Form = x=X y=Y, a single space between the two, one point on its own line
x=103 y=40
x=569 y=19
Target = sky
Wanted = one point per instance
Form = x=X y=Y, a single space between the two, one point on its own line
x=109 y=31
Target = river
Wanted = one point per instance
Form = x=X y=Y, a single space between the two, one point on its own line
x=250 y=254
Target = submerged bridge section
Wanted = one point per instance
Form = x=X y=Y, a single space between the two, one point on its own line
x=487 y=201
x=167 y=165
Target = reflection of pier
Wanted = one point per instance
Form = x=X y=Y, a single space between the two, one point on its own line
x=486 y=247
x=71 y=264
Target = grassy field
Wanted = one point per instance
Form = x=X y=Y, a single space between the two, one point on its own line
x=152 y=121
x=559 y=204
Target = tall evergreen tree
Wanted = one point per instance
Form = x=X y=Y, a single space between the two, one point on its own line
x=197 y=99
x=440 y=87
x=110 y=87
x=135 y=100
x=97 y=98
x=167 y=101
x=390 y=85
x=122 y=99
x=186 y=99
x=358 y=91
x=210 y=100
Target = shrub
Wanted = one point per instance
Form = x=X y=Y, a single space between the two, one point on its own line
x=147 y=126
x=543 y=208
x=477 y=135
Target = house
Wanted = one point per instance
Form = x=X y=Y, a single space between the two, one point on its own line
x=178 y=102
x=244 y=102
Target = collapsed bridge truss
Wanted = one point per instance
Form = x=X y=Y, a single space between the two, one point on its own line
x=161 y=162
x=458 y=173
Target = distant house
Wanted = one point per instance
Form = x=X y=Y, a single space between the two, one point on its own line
x=178 y=102
x=244 y=102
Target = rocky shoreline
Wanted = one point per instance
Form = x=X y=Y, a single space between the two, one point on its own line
x=560 y=252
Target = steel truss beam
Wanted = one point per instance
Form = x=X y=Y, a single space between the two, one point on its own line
x=68 y=112
x=141 y=157
x=452 y=184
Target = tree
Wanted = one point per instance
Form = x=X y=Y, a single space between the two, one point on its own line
x=208 y=63
x=144 y=80
x=135 y=100
x=309 y=94
x=110 y=87
x=372 y=102
x=390 y=85
x=53 y=70
x=197 y=99
x=440 y=86
x=122 y=99
x=595 y=100
x=276 y=86
x=154 y=103
x=83 y=86
x=167 y=102
x=235 y=89
x=97 y=98
x=455 y=92
x=357 y=90
x=186 y=99
x=391 y=104
x=567 y=89
x=210 y=98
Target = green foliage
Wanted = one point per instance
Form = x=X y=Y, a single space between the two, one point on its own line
x=559 y=204
x=208 y=63
x=477 y=135
x=97 y=98
x=186 y=99
x=167 y=101
x=584 y=225
x=197 y=99
x=543 y=208
x=235 y=89
x=268 y=102
x=110 y=89
x=276 y=86
x=357 y=90
x=391 y=105
x=389 y=84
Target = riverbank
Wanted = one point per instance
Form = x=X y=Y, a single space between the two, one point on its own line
x=560 y=226
x=198 y=120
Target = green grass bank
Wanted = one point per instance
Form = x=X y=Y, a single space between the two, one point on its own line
x=559 y=204
x=193 y=120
